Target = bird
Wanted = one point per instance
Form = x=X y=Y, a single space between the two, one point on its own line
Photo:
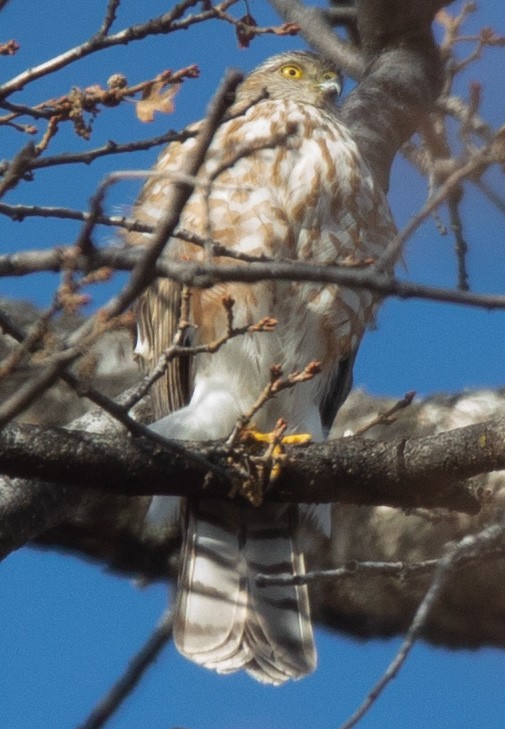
x=282 y=180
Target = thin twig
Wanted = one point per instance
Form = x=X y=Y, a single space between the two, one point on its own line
x=399 y=570
x=167 y=23
x=176 y=349
x=19 y=212
x=18 y=167
x=351 y=569
x=109 y=148
x=477 y=163
x=454 y=554
x=386 y=417
x=277 y=384
x=110 y=17
x=137 y=667
x=456 y=107
x=460 y=244
x=492 y=195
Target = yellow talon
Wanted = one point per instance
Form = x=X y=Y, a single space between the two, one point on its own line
x=297 y=439
x=276 y=440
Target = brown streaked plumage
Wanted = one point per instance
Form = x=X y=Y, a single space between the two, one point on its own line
x=290 y=184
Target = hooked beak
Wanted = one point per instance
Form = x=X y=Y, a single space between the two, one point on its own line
x=331 y=87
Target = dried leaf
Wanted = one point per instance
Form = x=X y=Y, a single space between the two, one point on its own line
x=9 y=48
x=155 y=99
x=245 y=34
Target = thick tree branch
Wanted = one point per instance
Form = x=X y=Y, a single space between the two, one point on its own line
x=403 y=473
x=315 y=28
x=402 y=82
x=29 y=508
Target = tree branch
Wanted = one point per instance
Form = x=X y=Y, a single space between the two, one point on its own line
x=402 y=81
x=454 y=554
x=110 y=147
x=28 y=508
x=403 y=473
x=133 y=674
x=317 y=31
x=203 y=275
x=167 y=23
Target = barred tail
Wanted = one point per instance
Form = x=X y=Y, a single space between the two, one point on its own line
x=224 y=621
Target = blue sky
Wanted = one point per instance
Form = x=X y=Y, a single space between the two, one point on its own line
x=68 y=628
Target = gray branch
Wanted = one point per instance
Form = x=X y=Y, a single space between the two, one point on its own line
x=202 y=275
x=404 y=473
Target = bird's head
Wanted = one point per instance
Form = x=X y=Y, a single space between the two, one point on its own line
x=299 y=75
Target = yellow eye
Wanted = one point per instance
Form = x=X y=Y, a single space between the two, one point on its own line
x=292 y=71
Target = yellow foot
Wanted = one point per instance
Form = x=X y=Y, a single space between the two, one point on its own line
x=276 y=440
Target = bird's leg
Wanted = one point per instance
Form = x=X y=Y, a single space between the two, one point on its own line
x=257 y=473
x=266 y=468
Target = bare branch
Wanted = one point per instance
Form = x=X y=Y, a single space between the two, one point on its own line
x=203 y=275
x=20 y=212
x=165 y=24
x=487 y=191
x=278 y=383
x=406 y=473
x=475 y=165
x=144 y=270
x=460 y=246
x=317 y=31
x=350 y=570
x=454 y=553
x=399 y=570
x=178 y=350
x=110 y=147
x=110 y=17
x=387 y=416
x=133 y=674
x=20 y=166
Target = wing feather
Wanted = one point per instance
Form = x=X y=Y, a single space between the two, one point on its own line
x=158 y=316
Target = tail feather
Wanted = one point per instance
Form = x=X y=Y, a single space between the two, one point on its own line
x=266 y=672
x=279 y=629
x=211 y=595
x=223 y=619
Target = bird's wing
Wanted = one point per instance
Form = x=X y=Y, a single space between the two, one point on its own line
x=338 y=387
x=158 y=316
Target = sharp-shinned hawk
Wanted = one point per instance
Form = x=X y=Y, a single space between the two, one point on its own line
x=283 y=179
